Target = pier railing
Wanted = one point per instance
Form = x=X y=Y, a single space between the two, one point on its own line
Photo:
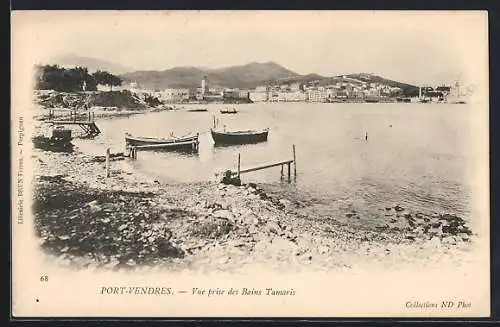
x=73 y=116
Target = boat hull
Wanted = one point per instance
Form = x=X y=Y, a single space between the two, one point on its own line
x=184 y=143
x=197 y=110
x=228 y=138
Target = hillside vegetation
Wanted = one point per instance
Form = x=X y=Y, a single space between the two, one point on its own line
x=246 y=76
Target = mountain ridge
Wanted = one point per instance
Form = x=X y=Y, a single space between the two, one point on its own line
x=248 y=75
x=242 y=76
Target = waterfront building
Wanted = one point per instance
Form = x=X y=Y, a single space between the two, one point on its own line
x=316 y=95
x=216 y=90
x=244 y=94
x=235 y=94
x=258 y=96
x=177 y=94
x=273 y=96
x=296 y=96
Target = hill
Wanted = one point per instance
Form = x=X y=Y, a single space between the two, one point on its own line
x=93 y=64
x=300 y=79
x=245 y=76
x=408 y=90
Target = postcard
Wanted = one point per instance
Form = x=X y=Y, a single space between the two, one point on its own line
x=250 y=164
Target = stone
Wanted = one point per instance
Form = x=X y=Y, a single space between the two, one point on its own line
x=435 y=241
x=465 y=237
x=411 y=237
x=285 y=202
x=419 y=230
x=323 y=249
x=275 y=228
x=450 y=240
x=223 y=214
x=398 y=208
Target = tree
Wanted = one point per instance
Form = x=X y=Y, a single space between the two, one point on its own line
x=53 y=77
x=105 y=78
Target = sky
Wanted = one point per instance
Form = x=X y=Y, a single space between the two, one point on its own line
x=422 y=48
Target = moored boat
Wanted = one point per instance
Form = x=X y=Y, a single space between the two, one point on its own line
x=228 y=111
x=239 y=137
x=197 y=110
x=187 y=142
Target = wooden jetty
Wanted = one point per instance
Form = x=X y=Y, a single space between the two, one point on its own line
x=283 y=163
x=86 y=121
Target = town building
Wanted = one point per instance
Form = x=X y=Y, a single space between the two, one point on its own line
x=295 y=96
x=259 y=96
x=177 y=94
x=316 y=95
x=244 y=94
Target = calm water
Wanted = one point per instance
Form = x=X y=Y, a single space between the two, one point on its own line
x=416 y=155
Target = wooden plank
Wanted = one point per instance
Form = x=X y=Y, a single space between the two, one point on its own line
x=71 y=122
x=294 y=162
x=108 y=155
x=239 y=164
x=286 y=162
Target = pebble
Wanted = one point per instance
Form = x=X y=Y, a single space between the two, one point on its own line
x=223 y=214
x=323 y=249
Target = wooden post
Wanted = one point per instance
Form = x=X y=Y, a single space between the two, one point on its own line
x=239 y=164
x=289 y=172
x=107 y=162
x=281 y=171
x=294 y=162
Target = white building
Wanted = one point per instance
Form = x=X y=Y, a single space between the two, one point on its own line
x=296 y=96
x=258 y=96
x=316 y=95
x=176 y=95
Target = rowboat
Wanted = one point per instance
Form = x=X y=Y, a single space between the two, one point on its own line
x=228 y=111
x=197 y=110
x=239 y=137
x=187 y=142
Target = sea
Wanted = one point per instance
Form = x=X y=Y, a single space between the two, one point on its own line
x=349 y=156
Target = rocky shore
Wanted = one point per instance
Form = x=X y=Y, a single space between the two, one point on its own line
x=101 y=104
x=130 y=221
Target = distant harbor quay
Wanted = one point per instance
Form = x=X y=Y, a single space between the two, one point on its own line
x=355 y=88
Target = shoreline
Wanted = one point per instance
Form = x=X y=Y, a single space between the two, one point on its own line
x=211 y=226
